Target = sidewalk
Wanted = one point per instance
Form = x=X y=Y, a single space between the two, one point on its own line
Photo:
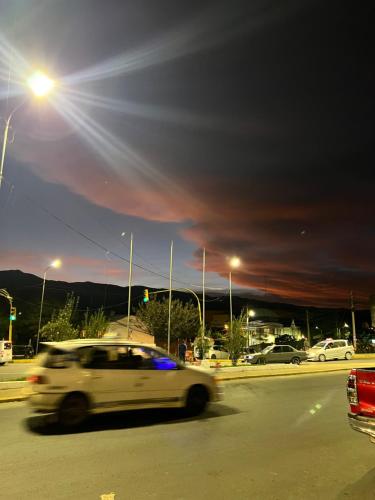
x=14 y=391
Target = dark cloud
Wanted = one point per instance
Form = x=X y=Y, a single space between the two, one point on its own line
x=250 y=124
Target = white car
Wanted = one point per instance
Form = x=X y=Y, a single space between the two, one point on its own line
x=214 y=352
x=75 y=378
x=330 y=349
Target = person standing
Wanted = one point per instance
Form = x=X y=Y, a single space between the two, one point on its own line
x=182 y=348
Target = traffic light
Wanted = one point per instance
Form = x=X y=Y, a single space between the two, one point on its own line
x=13 y=314
x=145 y=296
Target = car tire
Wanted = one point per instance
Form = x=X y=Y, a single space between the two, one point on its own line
x=196 y=400
x=348 y=355
x=322 y=358
x=295 y=361
x=213 y=356
x=73 y=410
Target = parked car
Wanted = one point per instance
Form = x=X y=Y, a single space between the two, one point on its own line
x=361 y=397
x=330 y=349
x=276 y=354
x=215 y=351
x=75 y=378
x=23 y=351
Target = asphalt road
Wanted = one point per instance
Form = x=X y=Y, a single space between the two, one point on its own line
x=275 y=438
x=14 y=371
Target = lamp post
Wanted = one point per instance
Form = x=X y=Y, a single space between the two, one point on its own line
x=234 y=263
x=249 y=314
x=40 y=85
x=55 y=264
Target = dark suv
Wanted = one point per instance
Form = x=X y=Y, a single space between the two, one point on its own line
x=23 y=351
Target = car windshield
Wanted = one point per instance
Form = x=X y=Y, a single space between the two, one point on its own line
x=267 y=349
x=319 y=345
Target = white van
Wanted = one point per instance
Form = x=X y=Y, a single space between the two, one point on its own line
x=77 y=377
x=330 y=349
x=5 y=352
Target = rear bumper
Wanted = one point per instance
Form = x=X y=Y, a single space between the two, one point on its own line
x=359 y=423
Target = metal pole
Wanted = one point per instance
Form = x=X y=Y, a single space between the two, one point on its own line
x=353 y=321
x=247 y=327
x=170 y=298
x=203 y=296
x=230 y=301
x=5 y=141
x=41 y=310
x=10 y=321
x=130 y=282
x=308 y=328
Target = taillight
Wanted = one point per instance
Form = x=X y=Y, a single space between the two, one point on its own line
x=37 y=379
x=351 y=389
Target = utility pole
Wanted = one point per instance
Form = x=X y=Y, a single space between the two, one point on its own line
x=353 y=321
x=170 y=297
x=308 y=328
x=130 y=282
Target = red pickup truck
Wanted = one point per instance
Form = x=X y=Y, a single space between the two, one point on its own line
x=361 y=397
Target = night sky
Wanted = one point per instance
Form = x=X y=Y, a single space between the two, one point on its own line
x=242 y=127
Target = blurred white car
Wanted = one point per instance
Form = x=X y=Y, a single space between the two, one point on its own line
x=330 y=349
x=78 y=377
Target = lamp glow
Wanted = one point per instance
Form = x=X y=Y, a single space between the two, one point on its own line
x=56 y=263
x=234 y=262
x=40 y=84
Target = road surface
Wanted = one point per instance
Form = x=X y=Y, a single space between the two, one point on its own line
x=275 y=438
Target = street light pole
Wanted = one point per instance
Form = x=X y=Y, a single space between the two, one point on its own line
x=41 y=309
x=230 y=302
x=234 y=262
x=40 y=85
x=130 y=281
x=55 y=264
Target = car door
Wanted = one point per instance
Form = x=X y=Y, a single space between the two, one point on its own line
x=275 y=354
x=108 y=378
x=288 y=353
x=159 y=379
x=329 y=351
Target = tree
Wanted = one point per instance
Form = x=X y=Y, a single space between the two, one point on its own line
x=203 y=343
x=61 y=327
x=94 y=325
x=235 y=341
x=184 y=319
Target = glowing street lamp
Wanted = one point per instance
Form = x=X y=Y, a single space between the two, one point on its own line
x=234 y=263
x=55 y=264
x=40 y=85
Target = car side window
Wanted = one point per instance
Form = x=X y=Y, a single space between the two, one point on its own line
x=277 y=348
x=286 y=348
x=154 y=360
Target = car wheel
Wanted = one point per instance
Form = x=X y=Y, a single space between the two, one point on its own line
x=213 y=356
x=322 y=357
x=296 y=361
x=73 y=410
x=196 y=400
x=348 y=355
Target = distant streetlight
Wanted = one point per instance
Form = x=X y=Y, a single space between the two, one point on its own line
x=250 y=313
x=55 y=264
x=234 y=263
x=40 y=85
